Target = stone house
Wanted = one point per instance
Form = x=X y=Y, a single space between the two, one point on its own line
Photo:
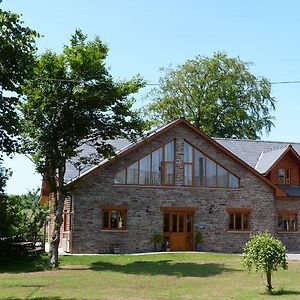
x=176 y=181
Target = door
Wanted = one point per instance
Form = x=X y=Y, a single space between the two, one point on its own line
x=179 y=229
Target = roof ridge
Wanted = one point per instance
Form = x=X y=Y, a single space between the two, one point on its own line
x=256 y=141
x=275 y=148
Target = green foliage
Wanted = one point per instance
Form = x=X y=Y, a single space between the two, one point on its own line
x=74 y=102
x=83 y=105
x=17 y=49
x=218 y=95
x=157 y=237
x=198 y=237
x=265 y=254
x=21 y=216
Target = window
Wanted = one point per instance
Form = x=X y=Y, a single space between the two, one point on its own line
x=114 y=218
x=239 y=219
x=199 y=170
x=157 y=168
x=287 y=221
x=284 y=176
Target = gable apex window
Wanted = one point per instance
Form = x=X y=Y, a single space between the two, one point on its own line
x=200 y=170
x=156 y=168
x=284 y=176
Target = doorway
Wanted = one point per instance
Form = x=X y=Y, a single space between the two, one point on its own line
x=179 y=228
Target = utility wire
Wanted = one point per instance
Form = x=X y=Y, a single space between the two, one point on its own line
x=149 y=84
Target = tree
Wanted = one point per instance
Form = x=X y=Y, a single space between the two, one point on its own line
x=17 y=50
x=266 y=254
x=75 y=101
x=218 y=95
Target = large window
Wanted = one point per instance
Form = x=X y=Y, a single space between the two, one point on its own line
x=287 y=221
x=239 y=219
x=199 y=170
x=284 y=176
x=114 y=218
x=157 y=168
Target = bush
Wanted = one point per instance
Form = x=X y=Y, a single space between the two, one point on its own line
x=265 y=254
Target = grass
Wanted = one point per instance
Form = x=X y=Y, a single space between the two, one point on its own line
x=153 y=276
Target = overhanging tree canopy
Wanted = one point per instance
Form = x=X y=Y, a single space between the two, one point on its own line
x=74 y=100
x=17 y=50
x=218 y=95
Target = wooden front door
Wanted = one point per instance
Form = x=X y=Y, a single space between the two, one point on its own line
x=179 y=228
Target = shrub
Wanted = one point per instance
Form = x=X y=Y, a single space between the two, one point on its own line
x=265 y=254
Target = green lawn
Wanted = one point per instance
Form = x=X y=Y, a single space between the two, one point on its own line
x=160 y=276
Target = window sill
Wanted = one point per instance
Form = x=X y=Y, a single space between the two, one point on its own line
x=114 y=230
x=239 y=231
x=287 y=232
x=176 y=187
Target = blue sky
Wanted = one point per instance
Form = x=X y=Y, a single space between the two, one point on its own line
x=144 y=36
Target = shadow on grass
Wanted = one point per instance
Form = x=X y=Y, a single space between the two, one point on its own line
x=38 y=298
x=282 y=292
x=21 y=264
x=164 y=267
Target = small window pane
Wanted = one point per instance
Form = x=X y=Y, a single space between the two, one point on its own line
x=211 y=173
x=105 y=219
x=145 y=170
x=156 y=167
x=113 y=219
x=281 y=176
x=238 y=221
x=121 y=220
x=169 y=151
x=174 y=223
x=280 y=223
x=233 y=181
x=286 y=223
x=132 y=174
x=169 y=179
x=199 y=168
x=187 y=153
x=120 y=178
x=188 y=179
x=166 y=222
x=189 y=223
x=181 y=223
x=222 y=179
x=293 y=222
x=231 y=221
x=245 y=221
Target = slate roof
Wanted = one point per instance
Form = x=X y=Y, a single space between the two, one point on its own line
x=260 y=155
x=86 y=150
x=250 y=151
x=268 y=158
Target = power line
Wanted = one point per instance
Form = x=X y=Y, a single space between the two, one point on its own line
x=148 y=84
x=285 y=82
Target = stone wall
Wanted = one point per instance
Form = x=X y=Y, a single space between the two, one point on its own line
x=98 y=189
x=290 y=239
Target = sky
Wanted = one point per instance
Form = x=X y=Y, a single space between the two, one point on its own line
x=144 y=36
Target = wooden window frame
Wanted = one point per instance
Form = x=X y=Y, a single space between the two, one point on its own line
x=163 y=168
x=289 y=215
x=287 y=176
x=118 y=209
x=242 y=212
x=204 y=170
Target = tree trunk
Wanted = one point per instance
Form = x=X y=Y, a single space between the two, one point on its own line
x=269 y=281
x=59 y=199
